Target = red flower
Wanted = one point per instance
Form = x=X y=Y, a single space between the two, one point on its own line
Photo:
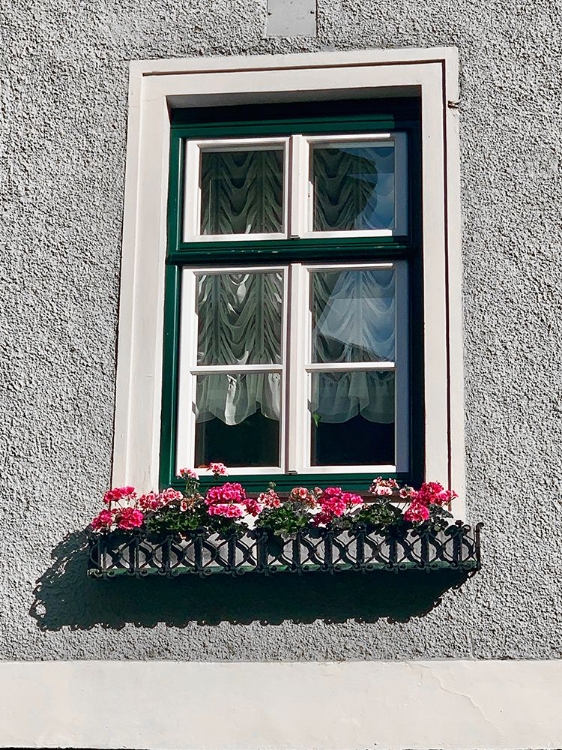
x=129 y=518
x=270 y=499
x=253 y=507
x=230 y=492
x=416 y=513
x=432 y=493
x=119 y=493
x=334 y=503
x=226 y=510
x=103 y=520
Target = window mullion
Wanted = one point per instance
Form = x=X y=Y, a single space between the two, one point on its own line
x=297 y=391
x=298 y=181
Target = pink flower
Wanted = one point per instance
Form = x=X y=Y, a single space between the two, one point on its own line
x=302 y=495
x=129 y=518
x=269 y=499
x=119 y=493
x=432 y=493
x=334 y=503
x=170 y=495
x=230 y=492
x=150 y=501
x=188 y=474
x=416 y=513
x=383 y=487
x=226 y=510
x=218 y=469
x=103 y=520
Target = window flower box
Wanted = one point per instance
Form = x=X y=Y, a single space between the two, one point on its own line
x=140 y=554
x=226 y=531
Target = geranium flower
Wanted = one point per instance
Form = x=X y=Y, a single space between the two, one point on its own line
x=302 y=495
x=218 y=469
x=269 y=499
x=119 y=493
x=253 y=507
x=416 y=513
x=383 y=487
x=188 y=474
x=230 y=492
x=334 y=503
x=103 y=521
x=432 y=493
x=226 y=510
x=129 y=518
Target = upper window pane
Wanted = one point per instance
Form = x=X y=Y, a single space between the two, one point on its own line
x=353 y=186
x=242 y=191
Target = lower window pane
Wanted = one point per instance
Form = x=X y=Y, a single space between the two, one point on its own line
x=237 y=419
x=353 y=415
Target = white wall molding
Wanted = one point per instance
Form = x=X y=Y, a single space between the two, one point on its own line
x=157 y=85
x=443 y=705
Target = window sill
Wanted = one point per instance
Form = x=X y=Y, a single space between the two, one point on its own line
x=141 y=554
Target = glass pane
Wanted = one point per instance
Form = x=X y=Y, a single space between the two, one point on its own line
x=240 y=317
x=242 y=191
x=353 y=315
x=353 y=187
x=237 y=419
x=352 y=415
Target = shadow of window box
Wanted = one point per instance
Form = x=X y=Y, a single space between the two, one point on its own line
x=204 y=553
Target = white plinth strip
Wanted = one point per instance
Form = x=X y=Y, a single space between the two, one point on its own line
x=286 y=706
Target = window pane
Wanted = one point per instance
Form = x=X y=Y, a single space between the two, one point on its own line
x=352 y=416
x=353 y=315
x=240 y=318
x=237 y=419
x=242 y=191
x=353 y=187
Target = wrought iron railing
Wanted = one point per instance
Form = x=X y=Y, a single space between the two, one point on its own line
x=203 y=553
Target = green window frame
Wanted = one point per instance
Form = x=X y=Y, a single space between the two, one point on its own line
x=334 y=118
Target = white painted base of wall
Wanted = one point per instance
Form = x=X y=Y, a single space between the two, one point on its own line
x=265 y=706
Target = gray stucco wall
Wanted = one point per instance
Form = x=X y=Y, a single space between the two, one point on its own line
x=63 y=98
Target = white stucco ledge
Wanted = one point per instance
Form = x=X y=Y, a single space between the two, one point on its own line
x=289 y=706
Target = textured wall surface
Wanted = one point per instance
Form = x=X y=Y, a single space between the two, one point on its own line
x=63 y=99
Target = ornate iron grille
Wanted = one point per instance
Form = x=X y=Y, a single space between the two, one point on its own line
x=202 y=553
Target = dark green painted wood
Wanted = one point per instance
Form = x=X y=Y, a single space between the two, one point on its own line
x=324 y=117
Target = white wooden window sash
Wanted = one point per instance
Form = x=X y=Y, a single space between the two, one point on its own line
x=297 y=184
x=295 y=369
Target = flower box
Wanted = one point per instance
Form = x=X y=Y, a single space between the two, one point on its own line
x=203 y=553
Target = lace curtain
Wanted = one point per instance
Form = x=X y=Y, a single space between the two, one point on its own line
x=240 y=323
x=353 y=188
x=242 y=191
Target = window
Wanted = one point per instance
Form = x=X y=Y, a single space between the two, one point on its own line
x=252 y=179
x=293 y=357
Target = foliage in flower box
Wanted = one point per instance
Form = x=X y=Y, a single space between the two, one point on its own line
x=225 y=508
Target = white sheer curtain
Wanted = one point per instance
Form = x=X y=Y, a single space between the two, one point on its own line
x=242 y=192
x=354 y=321
x=240 y=323
x=240 y=319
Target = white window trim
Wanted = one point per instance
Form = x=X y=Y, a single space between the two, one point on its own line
x=155 y=86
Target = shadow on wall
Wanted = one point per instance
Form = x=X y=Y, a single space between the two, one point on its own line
x=66 y=597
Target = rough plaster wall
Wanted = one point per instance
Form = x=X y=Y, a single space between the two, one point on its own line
x=63 y=105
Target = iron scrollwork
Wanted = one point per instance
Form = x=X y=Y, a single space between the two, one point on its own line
x=205 y=553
